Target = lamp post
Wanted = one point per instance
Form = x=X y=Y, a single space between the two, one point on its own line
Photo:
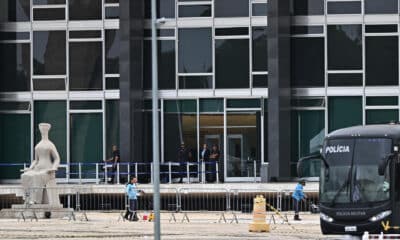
x=156 y=149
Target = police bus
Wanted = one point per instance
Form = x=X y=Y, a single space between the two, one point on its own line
x=359 y=179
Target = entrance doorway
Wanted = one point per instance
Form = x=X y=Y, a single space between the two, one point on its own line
x=243 y=139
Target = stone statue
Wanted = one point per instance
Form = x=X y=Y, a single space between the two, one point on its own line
x=38 y=180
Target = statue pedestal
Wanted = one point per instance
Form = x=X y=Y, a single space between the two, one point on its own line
x=56 y=211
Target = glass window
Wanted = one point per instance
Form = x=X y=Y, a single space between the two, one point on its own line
x=180 y=125
x=344 y=47
x=344 y=112
x=382 y=60
x=345 y=79
x=14 y=36
x=112 y=51
x=259 y=9
x=381 y=116
x=308 y=7
x=166 y=64
x=10 y=106
x=112 y=83
x=195 y=11
x=231 y=8
x=243 y=143
x=380 y=6
x=195 y=50
x=232 y=63
x=86 y=139
x=211 y=132
x=88 y=105
x=307 y=62
x=243 y=103
x=15 y=67
x=387 y=28
x=42 y=14
x=344 y=7
x=165 y=8
x=85 y=34
x=382 y=101
x=46 y=2
x=85 y=66
x=15 y=11
x=260 y=49
x=55 y=113
x=112 y=12
x=232 y=31
x=306 y=30
x=112 y=125
x=194 y=82
x=260 y=81
x=85 y=9
x=211 y=105
x=49 y=84
x=49 y=54
x=308 y=132
x=15 y=143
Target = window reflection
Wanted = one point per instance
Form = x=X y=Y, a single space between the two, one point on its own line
x=237 y=8
x=344 y=47
x=49 y=54
x=195 y=50
x=381 y=6
x=232 y=63
x=85 y=62
x=85 y=9
x=15 y=67
x=15 y=11
x=112 y=51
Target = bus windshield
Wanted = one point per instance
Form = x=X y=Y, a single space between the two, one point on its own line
x=351 y=174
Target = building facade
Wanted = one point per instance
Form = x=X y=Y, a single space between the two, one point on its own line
x=264 y=81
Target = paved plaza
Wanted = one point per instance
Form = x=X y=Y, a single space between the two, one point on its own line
x=201 y=226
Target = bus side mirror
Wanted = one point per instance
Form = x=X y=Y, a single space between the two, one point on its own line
x=309 y=166
x=383 y=164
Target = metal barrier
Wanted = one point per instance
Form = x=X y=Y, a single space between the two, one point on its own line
x=184 y=200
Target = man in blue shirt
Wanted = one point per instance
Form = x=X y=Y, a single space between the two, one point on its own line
x=131 y=191
x=297 y=196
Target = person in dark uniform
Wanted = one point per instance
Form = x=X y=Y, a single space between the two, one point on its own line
x=115 y=159
x=214 y=159
x=183 y=157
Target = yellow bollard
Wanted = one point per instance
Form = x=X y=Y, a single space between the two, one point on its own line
x=151 y=217
x=259 y=214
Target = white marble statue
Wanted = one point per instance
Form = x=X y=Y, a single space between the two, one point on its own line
x=38 y=180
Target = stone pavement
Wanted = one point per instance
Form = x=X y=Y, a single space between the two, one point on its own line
x=201 y=226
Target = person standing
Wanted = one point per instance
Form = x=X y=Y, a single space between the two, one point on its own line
x=114 y=160
x=205 y=160
x=131 y=191
x=298 y=195
x=183 y=158
x=214 y=159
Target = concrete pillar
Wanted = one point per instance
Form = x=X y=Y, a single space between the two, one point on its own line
x=279 y=88
x=131 y=79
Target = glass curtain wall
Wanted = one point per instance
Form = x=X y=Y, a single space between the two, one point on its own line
x=55 y=113
x=15 y=143
x=180 y=126
x=86 y=135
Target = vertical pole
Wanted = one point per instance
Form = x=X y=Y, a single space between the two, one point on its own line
x=117 y=173
x=169 y=172
x=156 y=153
x=255 y=170
x=80 y=173
x=129 y=171
x=97 y=173
x=217 y=171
